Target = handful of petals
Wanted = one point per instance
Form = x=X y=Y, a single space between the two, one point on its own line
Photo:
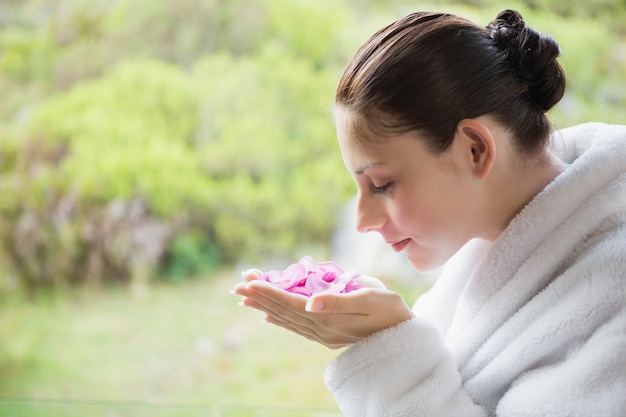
x=307 y=278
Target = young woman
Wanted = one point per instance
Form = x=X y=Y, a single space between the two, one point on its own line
x=442 y=125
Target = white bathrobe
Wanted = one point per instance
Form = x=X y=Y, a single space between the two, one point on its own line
x=531 y=325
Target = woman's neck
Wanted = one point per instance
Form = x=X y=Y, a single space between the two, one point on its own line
x=513 y=189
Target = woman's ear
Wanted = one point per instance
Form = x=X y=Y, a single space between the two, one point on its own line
x=475 y=143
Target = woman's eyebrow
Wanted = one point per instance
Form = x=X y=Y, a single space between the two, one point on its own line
x=367 y=166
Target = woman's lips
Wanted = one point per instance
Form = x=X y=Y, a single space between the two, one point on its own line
x=398 y=246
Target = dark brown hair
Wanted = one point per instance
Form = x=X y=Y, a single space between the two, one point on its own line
x=428 y=71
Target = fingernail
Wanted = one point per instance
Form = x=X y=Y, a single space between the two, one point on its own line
x=314 y=304
x=235 y=288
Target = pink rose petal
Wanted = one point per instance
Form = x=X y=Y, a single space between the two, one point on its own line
x=307 y=278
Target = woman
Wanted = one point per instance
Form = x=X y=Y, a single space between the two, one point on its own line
x=442 y=125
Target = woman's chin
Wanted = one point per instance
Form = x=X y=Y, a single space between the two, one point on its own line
x=424 y=262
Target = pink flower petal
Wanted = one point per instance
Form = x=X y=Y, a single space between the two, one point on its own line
x=308 y=263
x=330 y=266
x=307 y=278
x=301 y=290
x=317 y=284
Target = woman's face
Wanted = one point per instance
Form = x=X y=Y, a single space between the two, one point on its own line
x=420 y=203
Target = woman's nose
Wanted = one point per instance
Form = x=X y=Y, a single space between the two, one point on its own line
x=370 y=216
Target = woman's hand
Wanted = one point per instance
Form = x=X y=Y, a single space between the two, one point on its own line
x=332 y=319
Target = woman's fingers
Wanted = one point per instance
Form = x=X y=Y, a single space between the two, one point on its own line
x=333 y=319
x=358 y=302
x=330 y=340
x=287 y=310
x=301 y=330
x=251 y=274
x=274 y=301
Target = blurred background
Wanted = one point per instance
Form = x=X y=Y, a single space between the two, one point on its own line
x=152 y=149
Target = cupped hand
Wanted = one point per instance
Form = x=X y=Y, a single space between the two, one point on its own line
x=332 y=319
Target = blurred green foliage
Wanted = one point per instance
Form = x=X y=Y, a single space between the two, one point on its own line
x=105 y=353
x=145 y=136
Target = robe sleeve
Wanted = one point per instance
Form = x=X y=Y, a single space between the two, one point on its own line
x=402 y=371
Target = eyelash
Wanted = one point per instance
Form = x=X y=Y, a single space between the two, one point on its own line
x=382 y=189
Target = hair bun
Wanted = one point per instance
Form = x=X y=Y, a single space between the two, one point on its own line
x=532 y=54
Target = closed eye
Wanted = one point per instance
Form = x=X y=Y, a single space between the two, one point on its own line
x=382 y=189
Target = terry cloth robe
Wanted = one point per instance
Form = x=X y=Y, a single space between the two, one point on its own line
x=533 y=324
